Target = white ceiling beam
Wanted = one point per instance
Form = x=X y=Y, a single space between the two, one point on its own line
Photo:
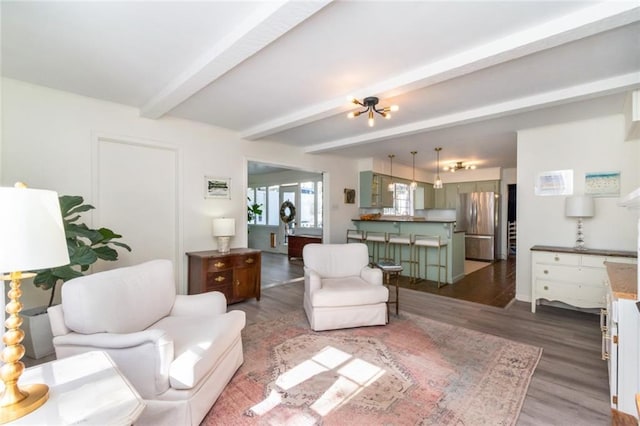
x=256 y=32
x=586 y=22
x=515 y=106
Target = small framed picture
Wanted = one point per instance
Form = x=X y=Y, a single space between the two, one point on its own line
x=217 y=187
x=557 y=182
x=602 y=184
x=349 y=196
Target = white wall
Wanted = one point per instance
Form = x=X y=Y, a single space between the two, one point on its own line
x=585 y=146
x=49 y=139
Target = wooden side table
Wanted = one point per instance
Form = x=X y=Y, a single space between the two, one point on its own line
x=389 y=269
x=83 y=389
x=236 y=274
x=297 y=242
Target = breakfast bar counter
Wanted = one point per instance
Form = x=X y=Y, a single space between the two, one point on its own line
x=421 y=226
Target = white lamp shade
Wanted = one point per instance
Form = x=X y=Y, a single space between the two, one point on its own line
x=224 y=227
x=579 y=206
x=31 y=230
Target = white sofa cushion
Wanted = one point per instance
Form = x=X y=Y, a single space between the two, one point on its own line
x=122 y=300
x=348 y=291
x=336 y=260
x=199 y=343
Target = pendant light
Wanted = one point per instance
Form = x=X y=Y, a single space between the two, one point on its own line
x=391 y=185
x=414 y=184
x=438 y=183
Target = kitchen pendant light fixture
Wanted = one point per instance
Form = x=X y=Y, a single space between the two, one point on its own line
x=414 y=184
x=438 y=183
x=369 y=103
x=459 y=165
x=391 y=186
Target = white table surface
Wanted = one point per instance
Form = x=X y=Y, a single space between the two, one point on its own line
x=86 y=389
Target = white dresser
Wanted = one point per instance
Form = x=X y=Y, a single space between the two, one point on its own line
x=574 y=277
x=620 y=322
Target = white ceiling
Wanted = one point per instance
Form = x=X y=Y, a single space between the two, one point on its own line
x=466 y=75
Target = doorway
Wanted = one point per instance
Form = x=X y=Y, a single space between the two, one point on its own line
x=283 y=192
x=512 y=224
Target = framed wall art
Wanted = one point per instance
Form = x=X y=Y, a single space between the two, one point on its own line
x=349 y=196
x=602 y=184
x=557 y=182
x=217 y=187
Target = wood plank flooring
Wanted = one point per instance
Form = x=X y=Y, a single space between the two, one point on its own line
x=570 y=384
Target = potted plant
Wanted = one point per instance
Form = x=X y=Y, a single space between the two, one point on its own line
x=85 y=246
x=253 y=210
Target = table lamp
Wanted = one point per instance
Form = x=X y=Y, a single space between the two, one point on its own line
x=32 y=238
x=224 y=228
x=579 y=206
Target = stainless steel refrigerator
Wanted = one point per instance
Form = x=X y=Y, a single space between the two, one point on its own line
x=477 y=215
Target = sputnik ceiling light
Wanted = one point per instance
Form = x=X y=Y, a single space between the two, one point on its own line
x=438 y=182
x=414 y=184
x=459 y=165
x=369 y=103
x=391 y=186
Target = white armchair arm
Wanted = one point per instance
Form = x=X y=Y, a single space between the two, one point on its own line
x=371 y=275
x=102 y=341
x=210 y=303
x=312 y=280
x=143 y=357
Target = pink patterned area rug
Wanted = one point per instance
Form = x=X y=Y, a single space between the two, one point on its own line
x=411 y=371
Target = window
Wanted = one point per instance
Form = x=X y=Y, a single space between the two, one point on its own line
x=309 y=194
x=319 y=209
x=402 y=201
x=261 y=198
x=307 y=204
x=273 y=209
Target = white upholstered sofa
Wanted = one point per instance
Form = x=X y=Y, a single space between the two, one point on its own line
x=178 y=351
x=340 y=289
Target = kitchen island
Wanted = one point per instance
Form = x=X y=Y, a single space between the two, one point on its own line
x=419 y=226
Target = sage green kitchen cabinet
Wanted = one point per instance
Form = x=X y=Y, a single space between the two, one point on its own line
x=373 y=190
x=488 y=186
x=466 y=187
x=451 y=195
x=439 y=198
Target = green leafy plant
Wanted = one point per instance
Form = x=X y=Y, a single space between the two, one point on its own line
x=253 y=210
x=85 y=246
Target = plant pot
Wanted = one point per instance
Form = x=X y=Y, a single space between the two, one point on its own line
x=38 y=338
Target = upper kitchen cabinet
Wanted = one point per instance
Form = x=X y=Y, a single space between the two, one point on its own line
x=373 y=190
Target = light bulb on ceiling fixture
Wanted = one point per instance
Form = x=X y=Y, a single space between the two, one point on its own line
x=369 y=103
x=414 y=184
x=391 y=186
x=438 y=182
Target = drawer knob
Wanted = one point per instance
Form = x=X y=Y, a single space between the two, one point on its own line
x=546 y=271
x=219 y=278
x=556 y=258
x=249 y=260
x=546 y=287
x=219 y=264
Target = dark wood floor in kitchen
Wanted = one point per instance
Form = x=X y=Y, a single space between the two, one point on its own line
x=494 y=285
x=570 y=384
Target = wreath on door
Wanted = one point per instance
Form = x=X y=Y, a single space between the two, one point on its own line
x=287 y=212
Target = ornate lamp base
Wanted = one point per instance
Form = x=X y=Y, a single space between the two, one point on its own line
x=16 y=402
x=36 y=396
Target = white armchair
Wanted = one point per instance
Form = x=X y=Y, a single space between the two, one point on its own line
x=178 y=351
x=340 y=289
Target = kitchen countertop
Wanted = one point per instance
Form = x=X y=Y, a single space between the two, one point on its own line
x=409 y=219
x=595 y=252
x=623 y=278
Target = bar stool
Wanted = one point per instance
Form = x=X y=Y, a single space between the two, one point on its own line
x=355 y=235
x=388 y=269
x=427 y=241
x=374 y=240
x=398 y=243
